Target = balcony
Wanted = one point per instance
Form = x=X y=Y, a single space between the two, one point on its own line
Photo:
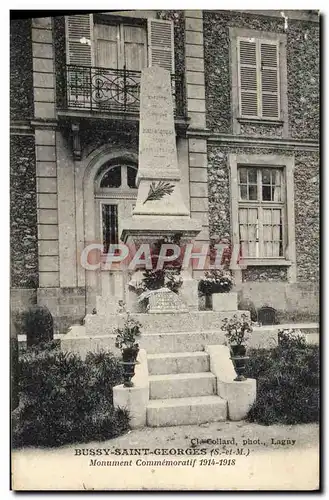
x=111 y=91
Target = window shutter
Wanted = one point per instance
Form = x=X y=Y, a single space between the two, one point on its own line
x=269 y=79
x=79 y=39
x=161 y=44
x=247 y=57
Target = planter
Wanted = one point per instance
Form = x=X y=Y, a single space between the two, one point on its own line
x=225 y=301
x=129 y=356
x=208 y=288
x=238 y=350
x=239 y=359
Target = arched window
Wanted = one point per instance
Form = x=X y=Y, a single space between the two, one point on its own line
x=118 y=176
x=115 y=194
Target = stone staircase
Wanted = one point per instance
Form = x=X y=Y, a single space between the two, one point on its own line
x=182 y=390
x=185 y=375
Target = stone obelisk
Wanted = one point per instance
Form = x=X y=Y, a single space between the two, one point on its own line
x=160 y=209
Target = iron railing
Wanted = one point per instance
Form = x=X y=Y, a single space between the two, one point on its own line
x=112 y=90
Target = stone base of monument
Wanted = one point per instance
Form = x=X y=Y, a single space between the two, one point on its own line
x=182 y=338
x=189 y=292
x=225 y=301
x=189 y=321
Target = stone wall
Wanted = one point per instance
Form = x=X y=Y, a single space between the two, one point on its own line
x=306 y=180
x=21 y=96
x=302 y=66
x=294 y=302
x=119 y=135
x=67 y=305
x=23 y=213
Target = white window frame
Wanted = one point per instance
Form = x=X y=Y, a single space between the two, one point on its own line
x=267 y=161
x=261 y=205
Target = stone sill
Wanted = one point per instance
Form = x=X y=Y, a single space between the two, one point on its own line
x=266 y=262
x=260 y=121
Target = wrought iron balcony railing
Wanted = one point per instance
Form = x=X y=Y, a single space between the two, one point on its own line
x=112 y=90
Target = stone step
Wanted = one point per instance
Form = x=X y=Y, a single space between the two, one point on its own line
x=178 y=362
x=180 y=385
x=193 y=321
x=76 y=340
x=186 y=411
x=79 y=342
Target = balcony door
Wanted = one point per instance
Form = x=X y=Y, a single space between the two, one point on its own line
x=120 y=55
x=120 y=45
x=105 y=57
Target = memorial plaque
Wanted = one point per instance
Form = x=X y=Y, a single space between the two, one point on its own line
x=165 y=301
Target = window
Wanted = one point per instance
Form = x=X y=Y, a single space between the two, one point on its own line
x=108 y=42
x=111 y=178
x=258 y=68
x=259 y=79
x=110 y=230
x=120 y=45
x=119 y=176
x=261 y=212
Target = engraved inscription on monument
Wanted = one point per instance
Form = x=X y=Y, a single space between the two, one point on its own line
x=157 y=141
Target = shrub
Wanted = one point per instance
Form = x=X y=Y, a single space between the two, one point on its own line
x=64 y=399
x=216 y=281
x=37 y=324
x=287 y=382
x=155 y=279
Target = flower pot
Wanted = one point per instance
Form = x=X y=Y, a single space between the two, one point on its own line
x=239 y=359
x=129 y=356
x=238 y=350
x=208 y=288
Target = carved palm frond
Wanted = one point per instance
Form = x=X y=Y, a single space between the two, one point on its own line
x=159 y=190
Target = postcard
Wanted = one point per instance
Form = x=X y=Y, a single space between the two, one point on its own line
x=164 y=207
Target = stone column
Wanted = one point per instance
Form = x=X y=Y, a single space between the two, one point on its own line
x=45 y=150
x=197 y=132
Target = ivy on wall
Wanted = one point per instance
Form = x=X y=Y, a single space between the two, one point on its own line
x=23 y=213
x=21 y=72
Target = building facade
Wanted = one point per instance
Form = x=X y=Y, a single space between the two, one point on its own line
x=245 y=90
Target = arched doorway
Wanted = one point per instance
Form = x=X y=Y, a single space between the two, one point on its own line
x=115 y=194
x=115 y=197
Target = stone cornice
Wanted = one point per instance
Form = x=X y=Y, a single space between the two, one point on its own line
x=249 y=141
x=262 y=142
x=299 y=15
x=19 y=127
x=27 y=127
x=44 y=123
